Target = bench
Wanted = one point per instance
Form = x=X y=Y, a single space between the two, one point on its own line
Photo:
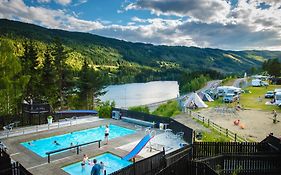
x=138 y=122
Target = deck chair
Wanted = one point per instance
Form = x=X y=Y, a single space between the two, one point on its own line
x=9 y=127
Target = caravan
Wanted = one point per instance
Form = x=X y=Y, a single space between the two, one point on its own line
x=223 y=90
x=258 y=83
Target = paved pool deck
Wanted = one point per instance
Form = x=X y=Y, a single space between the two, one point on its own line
x=38 y=165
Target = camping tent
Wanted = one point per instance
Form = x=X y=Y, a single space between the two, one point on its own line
x=205 y=97
x=194 y=99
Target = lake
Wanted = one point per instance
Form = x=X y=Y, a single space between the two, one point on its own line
x=135 y=94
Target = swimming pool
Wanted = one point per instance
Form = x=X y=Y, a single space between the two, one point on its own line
x=41 y=146
x=112 y=163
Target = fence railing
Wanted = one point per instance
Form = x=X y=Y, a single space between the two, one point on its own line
x=172 y=124
x=224 y=131
x=245 y=164
x=10 y=168
x=71 y=147
x=187 y=167
x=177 y=154
x=209 y=149
x=148 y=166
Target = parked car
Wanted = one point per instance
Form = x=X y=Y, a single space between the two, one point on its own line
x=229 y=98
x=269 y=94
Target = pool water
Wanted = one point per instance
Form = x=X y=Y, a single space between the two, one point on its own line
x=112 y=163
x=44 y=145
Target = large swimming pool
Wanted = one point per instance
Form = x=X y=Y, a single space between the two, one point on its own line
x=112 y=163
x=44 y=145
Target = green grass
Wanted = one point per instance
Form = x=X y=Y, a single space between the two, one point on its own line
x=228 y=81
x=251 y=100
x=169 y=109
x=213 y=135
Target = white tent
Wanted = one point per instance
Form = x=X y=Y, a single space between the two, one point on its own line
x=195 y=99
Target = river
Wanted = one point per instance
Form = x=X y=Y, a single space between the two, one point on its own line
x=135 y=94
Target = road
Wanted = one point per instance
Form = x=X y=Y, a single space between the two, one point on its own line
x=210 y=84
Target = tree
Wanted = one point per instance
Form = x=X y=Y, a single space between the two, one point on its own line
x=12 y=83
x=49 y=78
x=91 y=85
x=63 y=77
x=273 y=67
x=30 y=63
x=105 y=109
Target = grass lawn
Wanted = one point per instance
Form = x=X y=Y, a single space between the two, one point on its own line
x=251 y=100
x=168 y=109
x=228 y=81
x=213 y=136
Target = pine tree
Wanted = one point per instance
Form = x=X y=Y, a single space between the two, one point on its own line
x=91 y=85
x=12 y=83
x=63 y=76
x=49 y=79
x=30 y=63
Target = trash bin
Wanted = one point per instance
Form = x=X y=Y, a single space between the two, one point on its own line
x=161 y=126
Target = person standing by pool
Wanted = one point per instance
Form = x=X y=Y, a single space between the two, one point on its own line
x=96 y=168
x=106 y=134
x=85 y=159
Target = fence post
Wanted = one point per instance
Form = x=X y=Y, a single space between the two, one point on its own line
x=203 y=119
x=226 y=132
x=99 y=143
x=48 y=158
x=77 y=149
x=208 y=122
x=235 y=137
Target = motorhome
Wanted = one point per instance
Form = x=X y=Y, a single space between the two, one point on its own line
x=277 y=98
x=223 y=90
x=258 y=83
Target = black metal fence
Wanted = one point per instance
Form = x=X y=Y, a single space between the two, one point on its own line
x=10 y=168
x=172 y=124
x=148 y=166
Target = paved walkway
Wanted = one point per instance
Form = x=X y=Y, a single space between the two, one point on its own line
x=187 y=120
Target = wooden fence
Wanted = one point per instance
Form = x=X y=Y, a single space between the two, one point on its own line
x=148 y=166
x=209 y=149
x=10 y=168
x=187 y=167
x=245 y=164
x=224 y=131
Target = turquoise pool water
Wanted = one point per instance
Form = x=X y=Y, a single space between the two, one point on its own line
x=112 y=163
x=44 y=145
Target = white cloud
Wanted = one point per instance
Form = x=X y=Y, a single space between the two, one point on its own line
x=43 y=1
x=58 y=19
x=63 y=2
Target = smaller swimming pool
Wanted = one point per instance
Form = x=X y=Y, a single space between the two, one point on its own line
x=112 y=163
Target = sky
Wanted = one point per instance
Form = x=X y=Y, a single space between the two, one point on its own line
x=223 y=24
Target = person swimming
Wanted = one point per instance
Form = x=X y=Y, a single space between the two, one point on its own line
x=56 y=143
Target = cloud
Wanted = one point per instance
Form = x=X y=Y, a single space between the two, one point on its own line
x=205 y=10
x=63 y=2
x=58 y=19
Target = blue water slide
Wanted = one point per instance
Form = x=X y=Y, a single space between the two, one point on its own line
x=138 y=147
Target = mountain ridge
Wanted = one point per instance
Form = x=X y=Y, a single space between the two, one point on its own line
x=189 y=58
